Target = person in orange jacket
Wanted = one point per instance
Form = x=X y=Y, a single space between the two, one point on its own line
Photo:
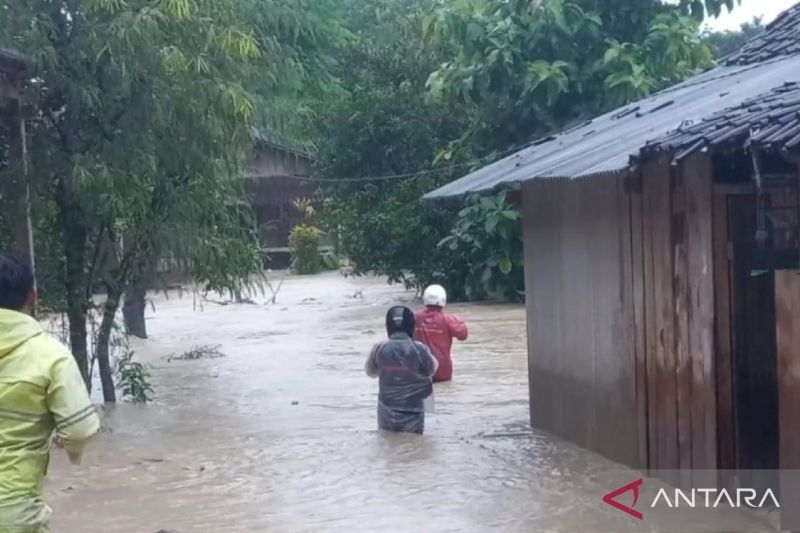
x=436 y=329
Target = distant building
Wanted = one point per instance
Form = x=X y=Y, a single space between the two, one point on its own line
x=278 y=176
x=14 y=194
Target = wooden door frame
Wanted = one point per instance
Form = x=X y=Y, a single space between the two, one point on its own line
x=726 y=416
x=728 y=443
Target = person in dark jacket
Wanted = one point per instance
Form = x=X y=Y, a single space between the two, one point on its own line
x=405 y=370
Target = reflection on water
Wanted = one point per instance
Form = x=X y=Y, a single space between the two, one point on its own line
x=280 y=435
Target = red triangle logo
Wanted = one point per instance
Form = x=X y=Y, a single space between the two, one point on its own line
x=611 y=499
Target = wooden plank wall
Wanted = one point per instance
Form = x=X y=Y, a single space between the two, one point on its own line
x=698 y=182
x=543 y=279
x=621 y=314
x=637 y=301
x=16 y=186
x=787 y=307
x=679 y=291
x=726 y=431
x=581 y=315
x=662 y=386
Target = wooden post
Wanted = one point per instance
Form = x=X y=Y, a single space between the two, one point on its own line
x=19 y=197
x=25 y=228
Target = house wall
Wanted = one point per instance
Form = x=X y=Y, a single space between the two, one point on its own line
x=787 y=303
x=15 y=194
x=679 y=302
x=581 y=309
x=272 y=185
x=621 y=313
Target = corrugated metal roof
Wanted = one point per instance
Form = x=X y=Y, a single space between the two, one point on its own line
x=607 y=143
x=610 y=143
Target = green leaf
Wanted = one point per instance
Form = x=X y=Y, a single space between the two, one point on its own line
x=506 y=265
x=611 y=55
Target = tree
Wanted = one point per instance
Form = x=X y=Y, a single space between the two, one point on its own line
x=724 y=43
x=146 y=110
x=496 y=76
x=378 y=123
x=488 y=237
x=526 y=69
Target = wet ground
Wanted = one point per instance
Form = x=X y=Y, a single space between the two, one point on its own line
x=279 y=435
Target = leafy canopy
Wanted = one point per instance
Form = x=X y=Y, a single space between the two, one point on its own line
x=147 y=109
x=449 y=86
x=525 y=68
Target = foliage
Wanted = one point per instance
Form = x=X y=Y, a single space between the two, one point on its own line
x=449 y=86
x=399 y=238
x=329 y=260
x=133 y=377
x=724 y=43
x=525 y=69
x=305 y=208
x=488 y=235
x=304 y=242
x=671 y=51
x=145 y=116
x=381 y=124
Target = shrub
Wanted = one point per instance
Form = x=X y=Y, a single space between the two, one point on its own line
x=304 y=244
x=329 y=260
x=133 y=378
x=488 y=235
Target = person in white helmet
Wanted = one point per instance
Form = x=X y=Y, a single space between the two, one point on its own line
x=436 y=329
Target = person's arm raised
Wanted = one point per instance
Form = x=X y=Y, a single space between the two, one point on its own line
x=458 y=328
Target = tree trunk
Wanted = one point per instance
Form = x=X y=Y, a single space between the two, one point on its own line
x=74 y=281
x=133 y=310
x=103 y=345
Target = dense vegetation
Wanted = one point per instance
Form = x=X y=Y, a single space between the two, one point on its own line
x=144 y=116
x=430 y=90
x=145 y=111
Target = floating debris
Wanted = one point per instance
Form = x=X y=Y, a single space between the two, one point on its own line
x=198 y=352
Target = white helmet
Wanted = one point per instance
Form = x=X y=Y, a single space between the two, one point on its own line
x=435 y=295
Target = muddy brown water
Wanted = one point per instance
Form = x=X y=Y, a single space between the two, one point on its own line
x=279 y=435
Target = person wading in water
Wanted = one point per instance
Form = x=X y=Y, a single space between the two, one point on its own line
x=42 y=399
x=404 y=368
x=436 y=330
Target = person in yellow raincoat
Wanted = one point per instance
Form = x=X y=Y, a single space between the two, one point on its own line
x=42 y=399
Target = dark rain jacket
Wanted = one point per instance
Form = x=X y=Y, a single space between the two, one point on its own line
x=404 y=368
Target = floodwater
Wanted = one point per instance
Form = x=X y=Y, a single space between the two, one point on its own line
x=279 y=435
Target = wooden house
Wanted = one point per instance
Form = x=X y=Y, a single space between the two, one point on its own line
x=278 y=176
x=661 y=257
x=14 y=193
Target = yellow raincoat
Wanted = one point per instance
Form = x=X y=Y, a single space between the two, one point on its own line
x=42 y=394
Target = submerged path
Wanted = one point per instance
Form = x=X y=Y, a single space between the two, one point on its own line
x=279 y=435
